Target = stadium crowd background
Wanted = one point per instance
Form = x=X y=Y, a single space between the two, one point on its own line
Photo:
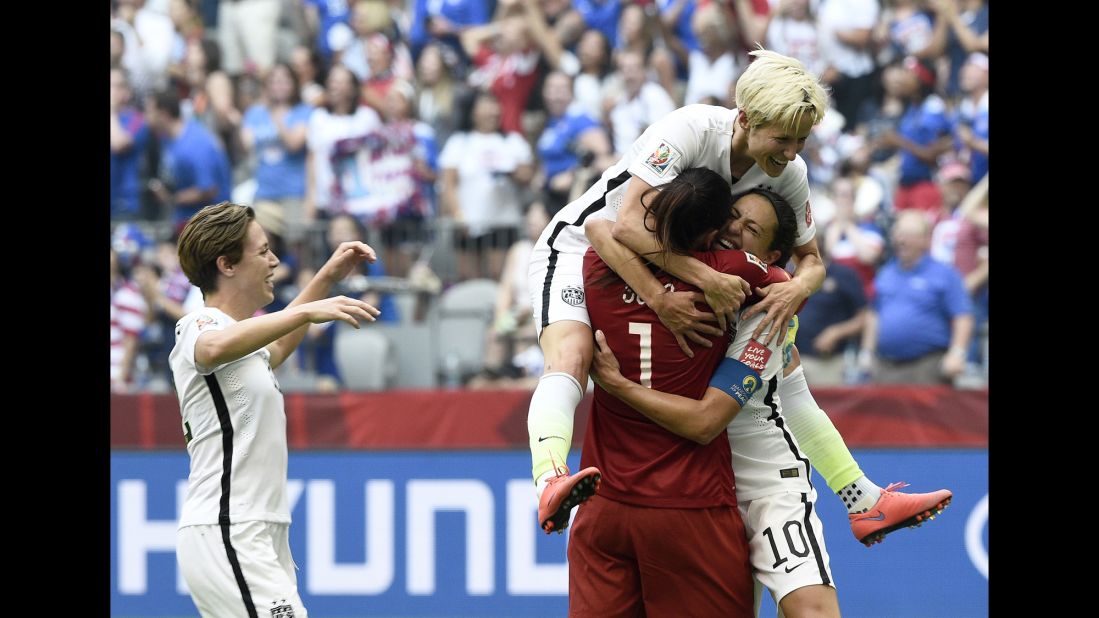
x=446 y=134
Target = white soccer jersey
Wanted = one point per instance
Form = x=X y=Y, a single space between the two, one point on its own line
x=235 y=427
x=691 y=136
x=766 y=457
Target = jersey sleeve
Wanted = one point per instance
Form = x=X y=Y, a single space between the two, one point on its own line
x=670 y=146
x=767 y=360
x=747 y=267
x=796 y=191
x=190 y=328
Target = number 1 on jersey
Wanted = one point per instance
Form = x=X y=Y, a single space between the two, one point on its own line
x=646 y=333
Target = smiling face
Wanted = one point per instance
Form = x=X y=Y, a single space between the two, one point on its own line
x=753 y=227
x=254 y=275
x=773 y=146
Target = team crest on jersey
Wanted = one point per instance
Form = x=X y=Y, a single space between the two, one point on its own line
x=758 y=262
x=573 y=295
x=662 y=158
x=282 y=611
x=204 y=321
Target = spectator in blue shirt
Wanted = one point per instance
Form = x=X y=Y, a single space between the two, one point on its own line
x=274 y=130
x=922 y=135
x=195 y=170
x=921 y=321
x=129 y=138
x=323 y=15
x=433 y=20
x=570 y=143
x=601 y=15
x=830 y=321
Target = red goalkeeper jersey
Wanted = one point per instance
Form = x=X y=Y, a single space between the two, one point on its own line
x=643 y=463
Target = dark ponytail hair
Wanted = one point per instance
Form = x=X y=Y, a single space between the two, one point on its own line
x=696 y=202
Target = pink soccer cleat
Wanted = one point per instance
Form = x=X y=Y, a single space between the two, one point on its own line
x=895 y=510
x=563 y=492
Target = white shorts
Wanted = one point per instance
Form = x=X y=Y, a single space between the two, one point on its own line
x=260 y=575
x=786 y=542
x=557 y=293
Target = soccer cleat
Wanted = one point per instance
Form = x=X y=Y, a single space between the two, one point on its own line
x=563 y=492
x=895 y=510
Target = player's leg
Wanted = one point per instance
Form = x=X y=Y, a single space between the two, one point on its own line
x=822 y=443
x=565 y=336
x=603 y=575
x=787 y=550
x=693 y=562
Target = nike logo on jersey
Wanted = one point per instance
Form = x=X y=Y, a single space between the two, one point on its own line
x=548 y=437
x=788 y=569
x=880 y=517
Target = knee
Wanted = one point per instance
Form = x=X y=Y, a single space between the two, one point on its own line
x=571 y=361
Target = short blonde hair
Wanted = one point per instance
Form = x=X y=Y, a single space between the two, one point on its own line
x=779 y=89
x=214 y=231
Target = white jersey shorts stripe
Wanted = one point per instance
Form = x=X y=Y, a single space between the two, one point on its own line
x=596 y=206
x=226 y=475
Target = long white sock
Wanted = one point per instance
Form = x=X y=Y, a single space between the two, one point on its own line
x=549 y=424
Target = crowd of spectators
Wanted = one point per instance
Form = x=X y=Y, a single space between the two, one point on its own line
x=434 y=128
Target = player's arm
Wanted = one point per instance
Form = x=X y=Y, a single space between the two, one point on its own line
x=782 y=300
x=701 y=421
x=724 y=293
x=347 y=257
x=676 y=309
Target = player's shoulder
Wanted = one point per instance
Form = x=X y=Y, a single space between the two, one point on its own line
x=203 y=319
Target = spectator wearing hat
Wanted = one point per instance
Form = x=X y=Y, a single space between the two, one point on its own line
x=954 y=183
x=921 y=136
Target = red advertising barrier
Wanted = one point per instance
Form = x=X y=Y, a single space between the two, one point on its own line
x=867 y=416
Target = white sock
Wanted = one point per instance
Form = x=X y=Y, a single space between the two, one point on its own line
x=859 y=496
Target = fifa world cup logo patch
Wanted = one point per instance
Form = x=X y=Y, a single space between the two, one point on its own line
x=662 y=158
x=573 y=295
x=282 y=611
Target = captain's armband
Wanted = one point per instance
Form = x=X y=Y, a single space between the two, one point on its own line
x=737 y=379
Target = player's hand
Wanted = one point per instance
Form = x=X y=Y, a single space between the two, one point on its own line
x=780 y=303
x=346 y=259
x=604 y=366
x=725 y=296
x=678 y=312
x=342 y=308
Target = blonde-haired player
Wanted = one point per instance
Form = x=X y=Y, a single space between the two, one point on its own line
x=754 y=145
